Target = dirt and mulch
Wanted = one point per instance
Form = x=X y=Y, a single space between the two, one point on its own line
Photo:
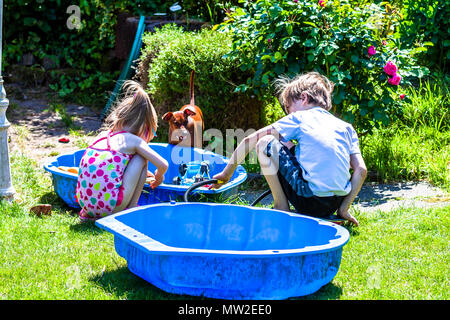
x=36 y=129
x=39 y=120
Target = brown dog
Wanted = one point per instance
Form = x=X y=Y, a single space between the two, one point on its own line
x=186 y=125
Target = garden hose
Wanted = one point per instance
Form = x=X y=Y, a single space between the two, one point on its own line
x=213 y=181
x=197 y=185
x=262 y=196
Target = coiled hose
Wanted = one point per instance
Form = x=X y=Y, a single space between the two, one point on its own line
x=213 y=181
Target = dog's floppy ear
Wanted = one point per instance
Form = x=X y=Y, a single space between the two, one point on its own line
x=167 y=116
x=189 y=111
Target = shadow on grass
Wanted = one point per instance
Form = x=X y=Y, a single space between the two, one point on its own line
x=53 y=199
x=87 y=227
x=123 y=283
x=58 y=205
x=328 y=292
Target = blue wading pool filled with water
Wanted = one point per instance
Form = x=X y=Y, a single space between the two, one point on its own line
x=227 y=251
x=65 y=183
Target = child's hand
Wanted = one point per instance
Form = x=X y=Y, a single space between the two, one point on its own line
x=222 y=178
x=347 y=216
x=159 y=178
x=150 y=177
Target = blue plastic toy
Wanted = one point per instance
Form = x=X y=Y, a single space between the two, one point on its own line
x=64 y=183
x=227 y=251
x=192 y=172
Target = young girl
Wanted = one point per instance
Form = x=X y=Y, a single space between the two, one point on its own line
x=113 y=169
x=315 y=179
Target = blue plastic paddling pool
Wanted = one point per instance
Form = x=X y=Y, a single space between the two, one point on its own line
x=227 y=251
x=65 y=183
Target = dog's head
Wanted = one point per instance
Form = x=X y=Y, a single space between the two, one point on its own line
x=178 y=123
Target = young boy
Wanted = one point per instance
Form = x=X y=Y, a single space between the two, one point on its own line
x=316 y=180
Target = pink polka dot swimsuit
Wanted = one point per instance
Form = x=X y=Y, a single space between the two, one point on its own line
x=99 y=188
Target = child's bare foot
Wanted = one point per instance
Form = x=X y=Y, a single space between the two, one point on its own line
x=347 y=216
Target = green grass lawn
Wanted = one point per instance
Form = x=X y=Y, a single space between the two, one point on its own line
x=401 y=254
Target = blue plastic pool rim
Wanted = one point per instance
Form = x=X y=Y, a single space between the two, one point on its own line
x=152 y=246
x=52 y=167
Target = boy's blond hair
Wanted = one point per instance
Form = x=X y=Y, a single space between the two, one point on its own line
x=316 y=86
x=134 y=110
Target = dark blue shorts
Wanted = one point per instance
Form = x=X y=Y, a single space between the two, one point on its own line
x=296 y=188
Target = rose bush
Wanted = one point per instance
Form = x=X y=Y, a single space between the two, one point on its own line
x=351 y=42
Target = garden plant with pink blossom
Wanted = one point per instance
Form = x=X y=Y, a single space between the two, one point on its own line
x=353 y=43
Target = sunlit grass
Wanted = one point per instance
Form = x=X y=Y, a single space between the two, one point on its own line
x=401 y=254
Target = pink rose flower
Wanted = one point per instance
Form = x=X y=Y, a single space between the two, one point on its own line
x=384 y=43
x=295 y=1
x=395 y=80
x=402 y=96
x=322 y=3
x=371 y=51
x=390 y=68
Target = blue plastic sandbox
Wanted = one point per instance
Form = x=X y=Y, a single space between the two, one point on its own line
x=227 y=251
x=64 y=183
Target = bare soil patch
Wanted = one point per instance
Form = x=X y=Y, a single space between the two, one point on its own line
x=36 y=127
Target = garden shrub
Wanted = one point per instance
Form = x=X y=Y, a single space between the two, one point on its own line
x=351 y=42
x=167 y=59
x=427 y=22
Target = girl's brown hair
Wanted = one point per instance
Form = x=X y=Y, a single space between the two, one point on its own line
x=134 y=110
x=316 y=86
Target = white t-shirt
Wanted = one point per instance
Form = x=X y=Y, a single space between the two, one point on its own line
x=325 y=144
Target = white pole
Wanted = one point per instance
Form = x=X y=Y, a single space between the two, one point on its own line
x=6 y=188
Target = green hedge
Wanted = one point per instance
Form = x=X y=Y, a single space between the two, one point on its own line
x=165 y=66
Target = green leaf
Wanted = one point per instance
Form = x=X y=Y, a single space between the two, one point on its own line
x=289 y=29
x=339 y=97
x=278 y=56
x=310 y=23
x=287 y=43
x=377 y=115
x=279 y=68
x=310 y=43
x=294 y=68
x=328 y=50
x=274 y=11
x=29 y=21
